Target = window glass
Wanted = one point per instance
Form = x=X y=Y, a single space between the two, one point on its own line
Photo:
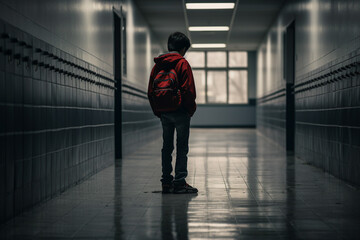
x=238 y=59
x=199 y=77
x=238 y=89
x=216 y=59
x=124 y=63
x=216 y=83
x=196 y=59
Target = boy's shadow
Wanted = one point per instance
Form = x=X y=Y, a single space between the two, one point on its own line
x=174 y=216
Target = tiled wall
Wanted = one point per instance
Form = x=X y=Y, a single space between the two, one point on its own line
x=57 y=95
x=56 y=114
x=140 y=125
x=270 y=113
x=327 y=83
x=327 y=116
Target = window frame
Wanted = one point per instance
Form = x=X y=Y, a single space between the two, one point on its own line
x=227 y=69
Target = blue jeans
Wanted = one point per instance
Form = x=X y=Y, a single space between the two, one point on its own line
x=179 y=120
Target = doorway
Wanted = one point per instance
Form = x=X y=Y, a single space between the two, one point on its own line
x=289 y=70
x=118 y=78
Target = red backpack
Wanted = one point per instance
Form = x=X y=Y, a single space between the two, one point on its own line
x=166 y=92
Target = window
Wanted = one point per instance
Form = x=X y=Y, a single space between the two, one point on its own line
x=238 y=86
x=199 y=76
x=221 y=77
x=216 y=82
x=196 y=59
x=237 y=59
x=216 y=59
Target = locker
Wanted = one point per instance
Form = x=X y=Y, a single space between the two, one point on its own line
x=2 y=46
x=18 y=118
x=19 y=45
x=28 y=91
x=63 y=68
x=27 y=183
x=43 y=62
x=2 y=100
x=71 y=71
x=36 y=58
x=9 y=98
x=58 y=66
x=54 y=65
x=48 y=92
x=10 y=163
x=2 y=153
x=18 y=89
x=48 y=61
x=9 y=42
x=9 y=205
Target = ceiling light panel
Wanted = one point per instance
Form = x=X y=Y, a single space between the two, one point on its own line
x=210 y=5
x=208 y=28
x=208 y=45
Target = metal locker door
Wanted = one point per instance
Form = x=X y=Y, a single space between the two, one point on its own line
x=18 y=42
x=43 y=60
x=2 y=124
x=9 y=42
x=2 y=46
x=36 y=58
x=2 y=83
x=27 y=55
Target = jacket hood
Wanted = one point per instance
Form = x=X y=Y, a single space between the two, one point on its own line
x=168 y=59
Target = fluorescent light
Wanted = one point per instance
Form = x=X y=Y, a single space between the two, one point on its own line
x=210 y=5
x=214 y=28
x=208 y=45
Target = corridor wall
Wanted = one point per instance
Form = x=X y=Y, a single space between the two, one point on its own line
x=327 y=84
x=57 y=95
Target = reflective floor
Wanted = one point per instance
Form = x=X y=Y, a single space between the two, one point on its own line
x=248 y=189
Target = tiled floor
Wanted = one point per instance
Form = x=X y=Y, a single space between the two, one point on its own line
x=248 y=189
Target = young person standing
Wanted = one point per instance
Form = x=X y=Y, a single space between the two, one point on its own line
x=172 y=94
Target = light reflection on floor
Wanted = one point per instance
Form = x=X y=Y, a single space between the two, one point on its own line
x=248 y=189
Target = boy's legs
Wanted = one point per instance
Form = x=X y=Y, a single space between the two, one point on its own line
x=182 y=126
x=168 y=147
x=181 y=121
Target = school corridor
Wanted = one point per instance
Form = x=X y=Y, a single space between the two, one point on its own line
x=274 y=141
x=248 y=189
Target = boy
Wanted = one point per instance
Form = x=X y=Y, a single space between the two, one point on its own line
x=175 y=112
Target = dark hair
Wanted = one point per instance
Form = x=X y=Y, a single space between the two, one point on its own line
x=177 y=41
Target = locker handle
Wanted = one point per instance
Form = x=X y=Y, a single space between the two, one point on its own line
x=27 y=60
x=17 y=58
x=5 y=35
x=14 y=40
x=8 y=53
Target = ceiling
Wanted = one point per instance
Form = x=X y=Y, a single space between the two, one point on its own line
x=248 y=21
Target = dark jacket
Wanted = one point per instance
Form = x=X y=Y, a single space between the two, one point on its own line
x=185 y=77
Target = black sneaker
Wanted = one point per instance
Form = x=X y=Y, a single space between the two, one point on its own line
x=167 y=187
x=185 y=189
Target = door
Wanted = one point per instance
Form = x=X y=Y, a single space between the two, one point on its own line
x=117 y=76
x=289 y=67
